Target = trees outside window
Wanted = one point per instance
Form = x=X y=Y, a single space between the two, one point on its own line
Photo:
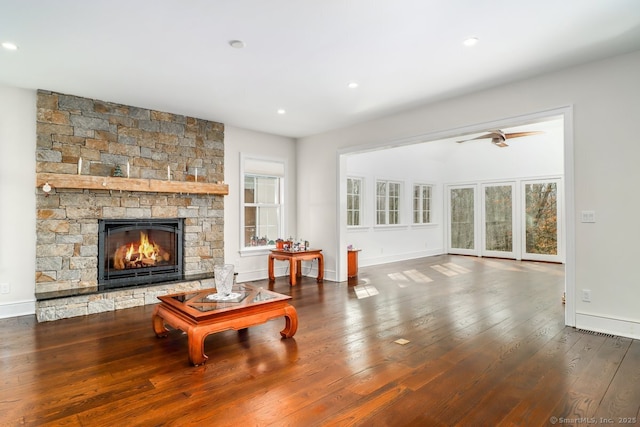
x=462 y=220
x=422 y=203
x=262 y=201
x=354 y=201
x=541 y=200
x=387 y=202
x=262 y=209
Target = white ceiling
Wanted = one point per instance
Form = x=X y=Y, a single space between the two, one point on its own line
x=300 y=54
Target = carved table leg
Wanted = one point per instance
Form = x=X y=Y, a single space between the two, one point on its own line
x=158 y=323
x=293 y=272
x=299 y=268
x=320 y=268
x=291 y=322
x=272 y=276
x=196 y=346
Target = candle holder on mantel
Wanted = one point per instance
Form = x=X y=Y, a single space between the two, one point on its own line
x=196 y=174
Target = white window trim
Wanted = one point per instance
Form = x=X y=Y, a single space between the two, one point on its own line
x=362 y=203
x=431 y=204
x=244 y=159
x=401 y=209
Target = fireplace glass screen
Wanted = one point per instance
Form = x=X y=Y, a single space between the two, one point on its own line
x=134 y=252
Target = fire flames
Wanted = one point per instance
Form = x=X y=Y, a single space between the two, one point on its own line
x=144 y=253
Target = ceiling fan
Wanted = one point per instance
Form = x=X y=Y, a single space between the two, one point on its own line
x=498 y=137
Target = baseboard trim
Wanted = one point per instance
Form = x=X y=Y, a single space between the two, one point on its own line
x=608 y=325
x=367 y=261
x=18 y=308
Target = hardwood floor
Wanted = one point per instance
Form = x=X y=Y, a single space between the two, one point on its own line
x=487 y=346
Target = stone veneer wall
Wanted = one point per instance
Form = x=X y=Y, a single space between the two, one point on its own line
x=106 y=135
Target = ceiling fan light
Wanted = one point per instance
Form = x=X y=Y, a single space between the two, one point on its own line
x=499 y=143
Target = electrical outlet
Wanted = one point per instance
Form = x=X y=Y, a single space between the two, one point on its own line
x=5 y=288
x=586 y=295
x=588 y=216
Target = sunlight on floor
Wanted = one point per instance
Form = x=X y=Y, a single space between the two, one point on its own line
x=364 y=291
x=407 y=277
x=398 y=277
x=444 y=270
x=417 y=276
x=458 y=268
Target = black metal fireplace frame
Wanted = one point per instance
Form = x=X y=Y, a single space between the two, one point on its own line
x=108 y=279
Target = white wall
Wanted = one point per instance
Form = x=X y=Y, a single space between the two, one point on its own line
x=253 y=266
x=17 y=200
x=605 y=96
x=409 y=165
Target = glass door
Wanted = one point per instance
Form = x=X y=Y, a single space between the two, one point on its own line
x=519 y=220
x=462 y=220
x=542 y=222
x=499 y=217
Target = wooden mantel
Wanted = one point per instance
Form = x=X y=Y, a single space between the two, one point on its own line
x=58 y=180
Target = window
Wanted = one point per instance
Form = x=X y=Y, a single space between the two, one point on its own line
x=422 y=204
x=263 y=202
x=354 y=201
x=541 y=218
x=387 y=202
x=462 y=202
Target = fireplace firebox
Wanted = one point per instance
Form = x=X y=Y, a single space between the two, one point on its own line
x=139 y=251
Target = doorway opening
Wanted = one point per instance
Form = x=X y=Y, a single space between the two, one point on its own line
x=544 y=173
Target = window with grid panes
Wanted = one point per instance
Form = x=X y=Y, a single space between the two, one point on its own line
x=263 y=202
x=387 y=202
x=354 y=201
x=422 y=203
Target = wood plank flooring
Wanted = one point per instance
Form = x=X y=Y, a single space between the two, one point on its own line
x=487 y=347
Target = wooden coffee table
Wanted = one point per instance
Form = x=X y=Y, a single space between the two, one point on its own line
x=198 y=316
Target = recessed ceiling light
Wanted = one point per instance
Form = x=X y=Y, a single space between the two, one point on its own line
x=237 y=44
x=282 y=111
x=352 y=85
x=471 y=41
x=9 y=46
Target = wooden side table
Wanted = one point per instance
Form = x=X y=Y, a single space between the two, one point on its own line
x=295 y=259
x=352 y=262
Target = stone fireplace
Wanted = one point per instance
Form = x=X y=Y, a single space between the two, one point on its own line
x=138 y=160
x=135 y=251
